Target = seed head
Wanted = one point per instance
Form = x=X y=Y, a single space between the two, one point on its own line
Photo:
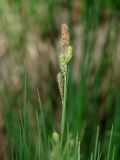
x=64 y=38
x=60 y=80
x=68 y=55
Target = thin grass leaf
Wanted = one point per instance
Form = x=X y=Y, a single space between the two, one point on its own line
x=96 y=145
x=79 y=151
x=42 y=119
x=113 y=154
x=91 y=157
x=109 y=147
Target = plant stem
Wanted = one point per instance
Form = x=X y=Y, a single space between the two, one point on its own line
x=64 y=108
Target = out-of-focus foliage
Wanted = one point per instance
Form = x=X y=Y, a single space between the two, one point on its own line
x=29 y=47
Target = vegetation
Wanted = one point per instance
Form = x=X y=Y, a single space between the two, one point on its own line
x=82 y=121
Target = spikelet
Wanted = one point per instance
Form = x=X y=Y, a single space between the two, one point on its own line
x=68 y=55
x=60 y=80
x=63 y=64
x=64 y=60
x=64 y=37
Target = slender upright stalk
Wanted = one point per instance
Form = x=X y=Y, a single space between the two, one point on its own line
x=64 y=107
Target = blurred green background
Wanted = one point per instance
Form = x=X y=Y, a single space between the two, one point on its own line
x=29 y=48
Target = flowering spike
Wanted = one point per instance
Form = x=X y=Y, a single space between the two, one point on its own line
x=64 y=57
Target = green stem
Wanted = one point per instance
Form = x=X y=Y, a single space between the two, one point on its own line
x=64 y=108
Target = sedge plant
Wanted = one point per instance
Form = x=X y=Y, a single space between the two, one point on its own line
x=65 y=56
